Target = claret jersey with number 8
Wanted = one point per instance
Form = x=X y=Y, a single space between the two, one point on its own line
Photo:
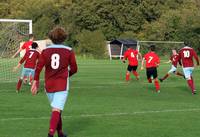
x=60 y=63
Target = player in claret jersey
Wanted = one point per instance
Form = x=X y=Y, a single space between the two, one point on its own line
x=132 y=56
x=174 y=60
x=186 y=55
x=60 y=63
x=152 y=62
x=30 y=59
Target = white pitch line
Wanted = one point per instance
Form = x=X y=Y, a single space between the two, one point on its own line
x=104 y=115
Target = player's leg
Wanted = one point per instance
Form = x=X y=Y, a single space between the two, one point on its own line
x=135 y=72
x=172 y=70
x=19 y=83
x=57 y=101
x=148 y=74
x=179 y=74
x=31 y=76
x=188 y=76
x=156 y=82
x=129 y=69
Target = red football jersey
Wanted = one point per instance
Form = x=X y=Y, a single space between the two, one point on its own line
x=186 y=55
x=30 y=59
x=174 y=59
x=152 y=59
x=60 y=64
x=27 y=45
x=132 y=56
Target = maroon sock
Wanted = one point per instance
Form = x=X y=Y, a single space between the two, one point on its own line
x=127 y=76
x=59 y=127
x=166 y=76
x=55 y=117
x=19 y=84
x=149 y=80
x=191 y=84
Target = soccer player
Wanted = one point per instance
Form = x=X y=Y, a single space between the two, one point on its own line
x=26 y=45
x=186 y=55
x=60 y=63
x=152 y=62
x=174 y=60
x=30 y=59
x=132 y=56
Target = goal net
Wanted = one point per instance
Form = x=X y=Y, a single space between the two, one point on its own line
x=12 y=32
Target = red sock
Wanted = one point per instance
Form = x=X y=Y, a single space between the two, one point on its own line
x=19 y=84
x=179 y=74
x=55 y=117
x=191 y=84
x=157 y=85
x=166 y=76
x=136 y=74
x=59 y=127
x=149 y=80
x=127 y=76
x=31 y=78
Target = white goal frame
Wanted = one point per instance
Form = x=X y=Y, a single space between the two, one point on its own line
x=20 y=20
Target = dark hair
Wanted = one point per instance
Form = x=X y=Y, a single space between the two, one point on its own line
x=31 y=36
x=152 y=47
x=186 y=43
x=57 y=35
x=34 y=45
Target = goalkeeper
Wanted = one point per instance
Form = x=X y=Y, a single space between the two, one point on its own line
x=30 y=59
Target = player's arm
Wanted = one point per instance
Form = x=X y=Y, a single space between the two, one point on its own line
x=158 y=61
x=39 y=66
x=142 y=64
x=196 y=58
x=139 y=56
x=18 y=51
x=124 y=58
x=20 y=62
x=72 y=63
x=167 y=62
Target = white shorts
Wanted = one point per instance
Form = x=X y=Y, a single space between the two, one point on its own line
x=188 y=72
x=173 y=69
x=57 y=99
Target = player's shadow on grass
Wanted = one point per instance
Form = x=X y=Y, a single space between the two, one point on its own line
x=74 y=125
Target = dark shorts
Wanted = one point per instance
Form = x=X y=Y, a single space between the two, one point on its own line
x=151 y=72
x=131 y=68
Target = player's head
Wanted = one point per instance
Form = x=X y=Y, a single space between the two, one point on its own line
x=31 y=36
x=34 y=45
x=186 y=43
x=174 y=51
x=152 y=47
x=57 y=35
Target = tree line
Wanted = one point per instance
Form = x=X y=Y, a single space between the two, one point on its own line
x=91 y=22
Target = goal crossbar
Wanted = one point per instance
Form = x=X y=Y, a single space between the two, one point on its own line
x=20 y=20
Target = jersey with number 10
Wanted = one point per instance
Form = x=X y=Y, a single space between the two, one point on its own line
x=152 y=59
x=60 y=63
x=131 y=55
x=30 y=58
x=186 y=55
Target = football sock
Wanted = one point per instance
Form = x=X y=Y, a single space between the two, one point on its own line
x=127 y=76
x=179 y=74
x=55 y=117
x=166 y=76
x=31 y=78
x=136 y=74
x=149 y=80
x=157 y=85
x=19 y=84
x=59 y=127
x=191 y=84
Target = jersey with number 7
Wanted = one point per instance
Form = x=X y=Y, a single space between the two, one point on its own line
x=152 y=59
x=30 y=58
x=186 y=55
x=60 y=64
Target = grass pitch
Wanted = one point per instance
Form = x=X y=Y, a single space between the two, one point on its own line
x=102 y=104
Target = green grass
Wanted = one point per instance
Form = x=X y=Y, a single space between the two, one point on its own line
x=102 y=104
